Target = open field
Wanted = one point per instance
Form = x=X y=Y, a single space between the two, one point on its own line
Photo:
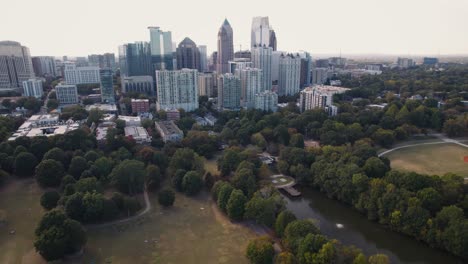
x=431 y=159
x=190 y=232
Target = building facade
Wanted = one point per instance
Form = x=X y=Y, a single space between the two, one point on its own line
x=161 y=49
x=169 y=131
x=203 y=58
x=107 y=86
x=260 y=32
x=188 y=55
x=251 y=85
x=262 y=59
x=319 y=75
x=140 y=106
x=207 y=84
x=15 y=65
x=319 y=96
x=239 y=64
x=33 y=88
x=66 y=93
x=289 y=74
x=306 y=69
x=44 y=66
x=103 y=61
x=177 y=89
x=229 y=92
x=81 y=75
x=225 y=47
x=135 y=59
x=138 y=84
x=266 y=101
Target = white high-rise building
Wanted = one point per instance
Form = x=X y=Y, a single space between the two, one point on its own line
x=260 y=35
x=33 y=88
x=266 y=101
x=319 y=96
x=66 y=93
x=229 y=92
x=177 y=89
x=261 y=59
x=81 y=75
x=239 y=64
x=275 y=57
x=289 y=74
x=251 y=85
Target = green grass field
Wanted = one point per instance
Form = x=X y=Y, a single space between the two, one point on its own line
x=431 y=159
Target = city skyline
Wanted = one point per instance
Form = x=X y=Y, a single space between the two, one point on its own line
x=361 y=27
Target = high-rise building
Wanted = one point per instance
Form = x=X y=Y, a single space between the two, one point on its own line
x=212 y=61
x=207 y=84
x=239 y=64
x=177 y=89
x=229 y=92
x=275 y=57
x=106 y=60
x=319 y=75
x=138 y=84
x=66 y=93
x=251 y=85
x=81 y=75
x=135 y=59
x=289 y=74
x=107 y=86
x=405 y=63
x=140 y=106
x=188 y=55
x=203 y=58
x=243 y=54
x=322 y=63
x=261 y=59
x=44 y=66
x=260 y=33
x=225 y=47
x=33 y=88
x=161 y=49
x=15 y=65
x=266 y=101
x=273 y=41
x=319 y=96
x=306 y=68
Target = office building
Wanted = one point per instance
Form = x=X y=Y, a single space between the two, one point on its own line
x=261 y=59
x=161 y=49
x=15 y=65
x=275 y=57
x=273 y=41
x=172 y=114
x=135 y=59
x=260 y=32
x=106 y=60
x=110 y=109
x=107 y=86
x=188 y=55
x=229 y=92
x=251 y=85
x=81 y=75
x=306 y=69
x=243 y=54
x=169 y=131
x=43 y=125
x=405 y=63
x=207 y=84
x=338 y=62
x=239 y=64
x=289 y=74
x=212 y=61
x=44 y=66
x=66 y=93
x=225 y=47
x=322 y=63
x=319 y=75
x=430 y=61
x=177 y=89
x=266 y=101
x=319 y=96
x=203 y=58
x=138 y=84
x=138 y=133
x=33 y=88
x=140 y=106
x=130 y=120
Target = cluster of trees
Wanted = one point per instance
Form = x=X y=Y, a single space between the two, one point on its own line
x=432 y=209
x=32 y=104
x=187 y=170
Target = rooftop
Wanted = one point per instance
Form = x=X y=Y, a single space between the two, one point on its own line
x=168 y=127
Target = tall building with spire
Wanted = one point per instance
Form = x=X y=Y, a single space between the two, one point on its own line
x=225 y=47
x=188 y=55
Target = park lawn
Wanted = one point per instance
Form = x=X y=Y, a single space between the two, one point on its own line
x=431 y=159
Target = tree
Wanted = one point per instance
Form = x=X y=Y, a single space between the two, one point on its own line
x=57 y=236
x=379 y=259
x=296 y=230
x=24 y=164
x=283 y=219
x=3 y=177
x=192 y=183
x=384 y=137
x=56 y=154
x=85 y=185
x=94 y=116
x=297 y=141
x=375 y=168
x=453 y=128
x=49 y=173
x=92 y=156
x=52 y=104
x=177 y=179
x=260 y=251
x=50 y=199
x=103 y=167
x=285 y=258
x=166 y=197
x=244 y=180
x=77 y=166
x=310 y=245
x=223 y=196
x=153 y=177
x=235 y=205
x=186 y=159
x=430 y=199
x=129 y=176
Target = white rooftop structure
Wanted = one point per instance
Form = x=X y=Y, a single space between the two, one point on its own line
x=139 y=134
x=130 y=120
x=106 y=108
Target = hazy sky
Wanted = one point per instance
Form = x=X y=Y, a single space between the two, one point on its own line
x=81 y=27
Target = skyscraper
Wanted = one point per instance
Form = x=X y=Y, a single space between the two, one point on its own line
x=229 y=92
x=260 y=34
x=81 y=75
x=203 y=58
x=273 y=41
x=33 y=87
x=206 y=84
x=106 y=60
x=135 y=59
x=177 y=89
x=44 y=66
x=251 y=85
x=266 y=101
x=289 y=74
x=188 y=55
x=306 y=68
x=239 y=64
x=15 y=65
x=225 y=47
x=107 y=86
x=161 y=49
x=261 y=59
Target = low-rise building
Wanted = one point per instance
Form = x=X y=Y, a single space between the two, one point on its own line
x=130 y=120
x=138 y=133
x=66 y=94
x=172 y=114
x=44 y=125
x=140 y=106
x=169 y=131
x=105 y=108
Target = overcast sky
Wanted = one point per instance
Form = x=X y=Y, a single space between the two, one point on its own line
x=82 y=27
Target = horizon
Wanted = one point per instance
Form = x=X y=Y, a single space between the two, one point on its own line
x=418 y=28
